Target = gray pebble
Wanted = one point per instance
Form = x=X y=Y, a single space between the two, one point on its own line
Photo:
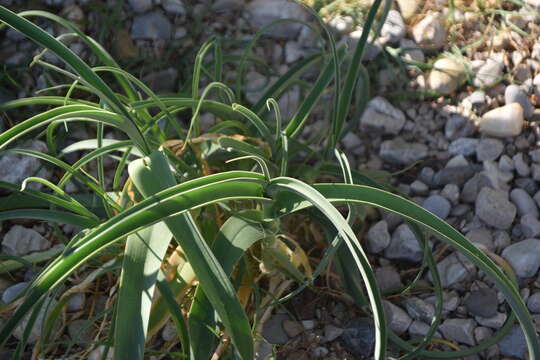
x=454 y=270
x=451 y=192
x=151 y=26
x=378 y=238
x=419 y=309
x=19 y=241
x=514 y=344
x=520 y=165
x=460 y=330
x=533 y=303
x=140 y=6
x=524 y=202
x=403 y=246
x=524 y=257
x=13 y=291
x=381 y=116
x=359 y=336
x=400 y=152
x=481 y=237
x=419 y=188
x=388 y=278
x=463 y=146
x=438 y=205
x=420 y=329
x=489 y=149
x=396 y=318
x=514 y=93
x=493 y=208
x=482 y=302
x=530 y=226
x=494 y=322
x=394 y=28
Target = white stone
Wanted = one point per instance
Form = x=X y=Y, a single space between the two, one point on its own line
x=489 y=73
x=447 y=75
x=408 y=8
x=503 y=121
x=430 y=32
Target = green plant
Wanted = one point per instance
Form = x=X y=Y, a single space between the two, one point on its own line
x=221 y=220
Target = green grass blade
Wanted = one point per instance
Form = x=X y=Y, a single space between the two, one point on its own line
x=60 y=217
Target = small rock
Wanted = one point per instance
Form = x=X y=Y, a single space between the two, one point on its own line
x=489 y=149
x=175 y=7
x=524 y=257
x=264 y=12
x=411 y=51
x=76 y=302
x=140 y=6
x=455 y=175
x=463 y=146
x=506 y=163
x=293 y=52
x=437 y=205
x=454 y=270
x=342 y=24
x=39 y=322
x=388 y=278
x=273 y=331
x=378 y=237
x=12 y=292
x=400 y=152
x=20 y=241
x=169 y=331
x=524 y=203
x=14 y=168
x=292 y=328
x=331 y=332
x=381 y=116
x=494 y=322
x=394 y=28
x=493 y=208
x=533 y=303
x=482 y=302
x=489 y=73
x=514 y=344
x=320 y=352
x=501 y=239
x=430 y=32
x=408 y=8
x=98 y=352
x=162 y=82
x=359 y=336
x=447 y=75
x=419 y=188
x=80 y=331
x=521 y=166
x=478 y=100
x=420 y=329
x=403 y=246
x=151 y=26
x=396 y=318
x=419 y=309
x=503 y=121
x=459 y=330
x=451 y=192
x=481 y=237
x=514 y=94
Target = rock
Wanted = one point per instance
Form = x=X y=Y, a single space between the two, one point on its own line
x=524 y=203
x=320 y=352
x=381 y=116
x=478 y=100
x=15 y=168
x=342 y=24
x=400 y=152
x=331 y=333
x=489 y=149
x=420 y=329
x=378 y=237
x=501 y=239
x=151 y=26
x=396 y=318
x=37 y=327
x=503 y=121
x=481 y=237
x=76 y=302
x=222 y=6
x=493 y=208
x=521 y=166
x=99 y=352
x=292 y=328
x=533 y=303
x=388 y=278
x=12 y=292
x=454 y=125
x=451 y=301
x=459 y=330
x=393 y=29
x=175 y=7
x=419 y=188
x=454 y=270
x=514 y=344
x=524 y=257
x=162 y=82
x=535 y=155
x=273 y=331
x=20 y=241
x=419 y=309
x=408 y=8
x=489 y=73
x=463 y=146
x=482 y=302
x=437 y=205
x=430 y=32
x=359 y=336
x=451 y=192
x=447 y=75
x=411 y=51
x=494 y=322
x=455 y=175
x=514 y=94
x=80 y=331
x=264 y=12
x=403 y=246
x=169 y=332
x=140 y=6
x=351 y=141
x=293 y=52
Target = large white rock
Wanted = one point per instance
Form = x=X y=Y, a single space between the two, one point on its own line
x=503 y=121
x=447 y=75
x=430 y=32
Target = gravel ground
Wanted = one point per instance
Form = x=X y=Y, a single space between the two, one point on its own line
x=465 y=124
